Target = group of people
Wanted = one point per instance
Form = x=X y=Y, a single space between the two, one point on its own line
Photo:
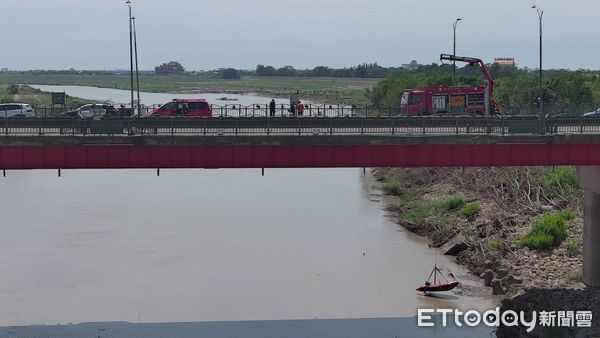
x=296 y=109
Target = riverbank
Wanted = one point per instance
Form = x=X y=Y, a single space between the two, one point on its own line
x=485 y=217
x=329 y=90
x=481 y=216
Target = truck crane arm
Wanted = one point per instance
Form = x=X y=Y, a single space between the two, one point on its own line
x=472 y=61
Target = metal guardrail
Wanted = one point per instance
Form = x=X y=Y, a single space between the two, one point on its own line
x=301 y=126
x=254 y=110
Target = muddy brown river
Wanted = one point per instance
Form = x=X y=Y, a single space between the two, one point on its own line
x=208 y=245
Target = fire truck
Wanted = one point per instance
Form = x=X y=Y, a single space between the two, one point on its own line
x=451 y=100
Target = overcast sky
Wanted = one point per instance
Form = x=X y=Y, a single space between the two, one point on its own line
x=202 y=35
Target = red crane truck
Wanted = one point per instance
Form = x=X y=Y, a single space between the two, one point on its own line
x=448 y=100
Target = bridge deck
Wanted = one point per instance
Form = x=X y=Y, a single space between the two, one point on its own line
x=297 y=142
x=147 y=151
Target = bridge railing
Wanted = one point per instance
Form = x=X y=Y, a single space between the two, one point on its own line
x=254 y=110
x=310 y=110
x=301 y=126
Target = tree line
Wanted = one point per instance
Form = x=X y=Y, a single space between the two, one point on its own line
x=563 y=91
x=365 y=70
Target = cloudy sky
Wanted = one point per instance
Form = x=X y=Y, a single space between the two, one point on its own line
x=208 y=34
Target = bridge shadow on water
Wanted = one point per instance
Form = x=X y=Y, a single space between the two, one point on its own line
x=313 y=328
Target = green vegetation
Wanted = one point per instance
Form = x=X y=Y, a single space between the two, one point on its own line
x=421 y=212
x=561 y=178
x=574 y=247
x=36 y=98
x=392 y=188
x=494 y=244
x=230 y=74
x=453 y=203
x=470 y=210
x=564 y=92
x=445 y=210
x=441 y=233
x=574 y=276
x=549 y=231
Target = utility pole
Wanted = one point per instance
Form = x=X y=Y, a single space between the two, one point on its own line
x=454 y=51
x=540 y=13
x=137 y=74
x=130 y=52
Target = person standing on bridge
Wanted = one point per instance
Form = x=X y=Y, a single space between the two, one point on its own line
x=299 y=108
x=272 y=107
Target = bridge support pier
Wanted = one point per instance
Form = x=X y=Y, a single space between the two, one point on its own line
x=589 y=180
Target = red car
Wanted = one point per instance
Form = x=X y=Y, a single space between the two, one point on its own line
x=183 y=107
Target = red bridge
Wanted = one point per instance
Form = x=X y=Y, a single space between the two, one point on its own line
x=82 y=152
x=297 y=142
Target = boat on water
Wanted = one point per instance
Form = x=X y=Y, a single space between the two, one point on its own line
x=437 y=285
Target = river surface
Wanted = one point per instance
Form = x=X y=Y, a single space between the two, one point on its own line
x=207 y=245
x=119 y=96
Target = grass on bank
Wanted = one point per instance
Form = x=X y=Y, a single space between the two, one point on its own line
x=574 y=247
x=34 y=97
x=494 y=244
x=445 y=209
x=470 y=211
x=549 y=231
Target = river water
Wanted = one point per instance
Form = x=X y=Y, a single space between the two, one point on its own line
x=207 y=245
x=124 y=96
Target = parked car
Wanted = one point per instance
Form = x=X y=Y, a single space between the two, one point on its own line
x=183 y=107
x=592 y=113
x=72 y=114
x=92 y=111
x=16 y=110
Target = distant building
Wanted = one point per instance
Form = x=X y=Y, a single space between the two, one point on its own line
x=4 y=70
x=413 y=65
x=170 y=68
x=504 y=62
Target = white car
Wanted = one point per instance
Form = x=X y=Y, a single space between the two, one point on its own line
x=92 y=111
x=593 y=113
x=16 y=110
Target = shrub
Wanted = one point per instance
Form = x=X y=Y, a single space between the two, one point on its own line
x=420 y=212
x=392 y=188
x=563 y=177
x=566 y=214
x=453 y=203
x=470 y=210
x=441 y=234
x=575 y=276
x=547 y=232
x=573 y=247
x=494 y=244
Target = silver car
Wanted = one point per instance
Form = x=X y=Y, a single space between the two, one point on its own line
x=592 y=113
x=16 y=110
x=96 y=111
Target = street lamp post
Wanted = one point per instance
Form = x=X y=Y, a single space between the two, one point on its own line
x=454 y=50
x=130 y=52
x=540 y=13
x=137 y=74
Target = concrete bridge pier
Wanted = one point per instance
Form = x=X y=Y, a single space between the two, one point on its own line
x=589 y=180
